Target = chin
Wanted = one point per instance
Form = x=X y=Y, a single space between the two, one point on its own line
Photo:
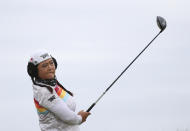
x=50 y=76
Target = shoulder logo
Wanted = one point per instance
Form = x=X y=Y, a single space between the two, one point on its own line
x=51 y=98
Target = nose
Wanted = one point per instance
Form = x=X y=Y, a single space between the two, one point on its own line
x=50 y=67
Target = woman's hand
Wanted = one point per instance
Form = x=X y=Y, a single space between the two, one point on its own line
x=84 y=115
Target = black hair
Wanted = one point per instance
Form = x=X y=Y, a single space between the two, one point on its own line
x=33 y=73
x=70 y=93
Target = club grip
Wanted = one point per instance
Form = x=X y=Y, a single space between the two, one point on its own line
x=91 y=107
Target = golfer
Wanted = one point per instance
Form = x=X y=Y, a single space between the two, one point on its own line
x=54 y=103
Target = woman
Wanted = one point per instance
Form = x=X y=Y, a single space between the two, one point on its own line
x=54 y=103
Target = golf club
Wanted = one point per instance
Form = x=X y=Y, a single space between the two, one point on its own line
x=161 y=22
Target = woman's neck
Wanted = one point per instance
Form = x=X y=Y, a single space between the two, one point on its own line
x=51 y=82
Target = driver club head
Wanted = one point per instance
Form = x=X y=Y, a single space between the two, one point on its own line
x=161 y=22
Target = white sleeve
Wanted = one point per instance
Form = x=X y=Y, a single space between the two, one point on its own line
x=56 y=105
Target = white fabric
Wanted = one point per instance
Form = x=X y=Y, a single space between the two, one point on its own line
x=61 y=115
x=39 y=56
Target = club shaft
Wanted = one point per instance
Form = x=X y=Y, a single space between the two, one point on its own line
x=122 y=72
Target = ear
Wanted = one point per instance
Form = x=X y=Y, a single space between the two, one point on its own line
x=55 y=62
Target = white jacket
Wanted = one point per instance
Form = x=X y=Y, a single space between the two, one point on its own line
x=56 y=110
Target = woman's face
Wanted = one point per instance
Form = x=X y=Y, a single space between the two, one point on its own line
x=46 y=69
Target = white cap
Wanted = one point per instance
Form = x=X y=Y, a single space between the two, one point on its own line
x=39 y=56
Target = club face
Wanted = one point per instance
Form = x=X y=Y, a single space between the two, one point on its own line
x=161 y=22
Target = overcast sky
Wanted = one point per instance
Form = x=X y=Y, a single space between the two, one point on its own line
x=93 y=41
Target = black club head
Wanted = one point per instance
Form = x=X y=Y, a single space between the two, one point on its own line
x=161 y=22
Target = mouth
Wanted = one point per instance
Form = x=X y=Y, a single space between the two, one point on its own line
x=50 y=75
x=50 y=72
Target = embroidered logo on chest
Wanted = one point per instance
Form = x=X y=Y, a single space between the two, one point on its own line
x=51 y=98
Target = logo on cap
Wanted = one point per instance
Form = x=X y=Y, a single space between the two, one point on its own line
x=44 y=55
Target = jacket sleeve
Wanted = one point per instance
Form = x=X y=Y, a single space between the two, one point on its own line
x=56 y=105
